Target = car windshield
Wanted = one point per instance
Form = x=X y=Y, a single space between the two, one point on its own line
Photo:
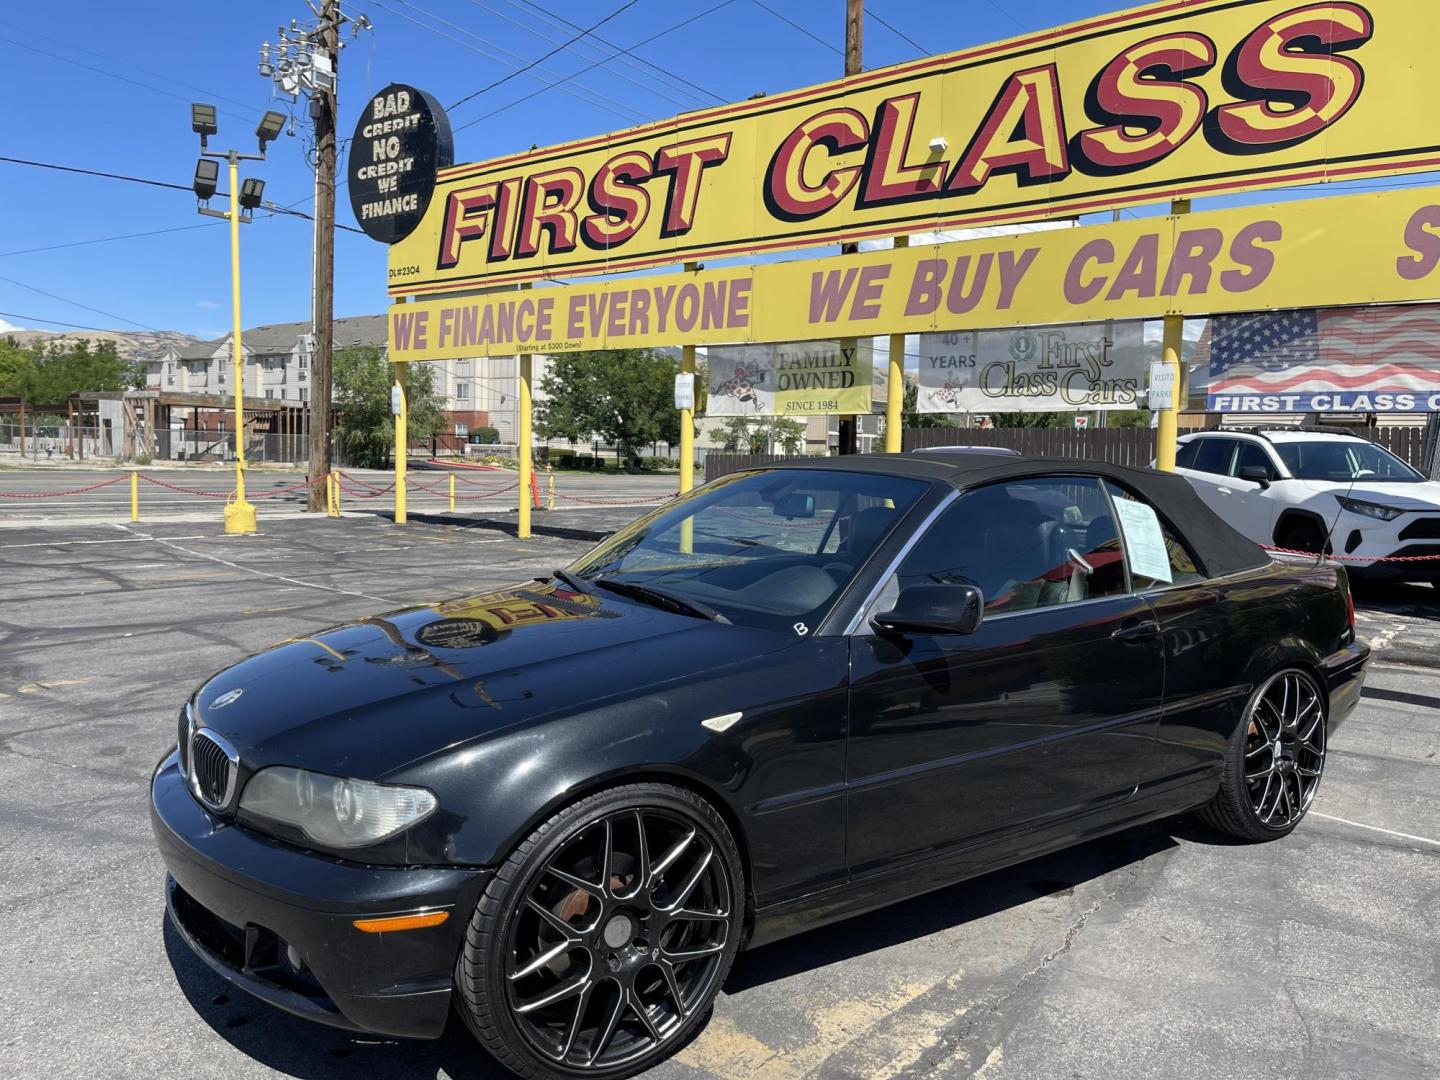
x=770 y=549
x=1348 y=460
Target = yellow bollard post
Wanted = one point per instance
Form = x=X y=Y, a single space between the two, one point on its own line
x=895 y=388
x=134 y=496
x=452 y=493
x=335 y=491
x=550 y=486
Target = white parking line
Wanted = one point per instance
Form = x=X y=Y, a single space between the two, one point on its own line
x=1375 y=828
x=265 y=573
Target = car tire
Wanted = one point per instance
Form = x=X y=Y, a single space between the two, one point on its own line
x=1274 y=761
x=1305 y=536
x=600 y=944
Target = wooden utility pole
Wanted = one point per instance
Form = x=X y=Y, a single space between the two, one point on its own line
x=323 y=316
x=849 y=426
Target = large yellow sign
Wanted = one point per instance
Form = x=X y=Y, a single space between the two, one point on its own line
x=1175 y=99
x=1352 y=249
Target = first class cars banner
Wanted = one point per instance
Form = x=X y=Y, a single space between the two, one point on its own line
x=1353 y=249
x=1175 y=99
x=1091 y=366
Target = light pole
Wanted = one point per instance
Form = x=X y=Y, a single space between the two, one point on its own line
x=244 y=199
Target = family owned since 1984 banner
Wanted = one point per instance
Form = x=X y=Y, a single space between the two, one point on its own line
x=1036 y=369
x=804 y=378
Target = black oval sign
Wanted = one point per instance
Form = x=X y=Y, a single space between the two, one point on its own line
x=402 y=138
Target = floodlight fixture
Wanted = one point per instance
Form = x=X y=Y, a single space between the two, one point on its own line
x=202 y=120
x=271 y=124
x=939 y=144
x=207 y=176
x=252 y=189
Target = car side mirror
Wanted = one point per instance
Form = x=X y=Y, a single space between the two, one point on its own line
x=933 y=609
x=1256 y=474
x=795 y=505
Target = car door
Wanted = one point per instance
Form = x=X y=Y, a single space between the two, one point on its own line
x=1046 y=711
x=1249 y=505
x=1209 y=628
x=1207 y=468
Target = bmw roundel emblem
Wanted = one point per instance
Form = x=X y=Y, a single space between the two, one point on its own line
x=227 y=698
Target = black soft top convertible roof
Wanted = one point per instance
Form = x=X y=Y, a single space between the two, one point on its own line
x=1221 y=549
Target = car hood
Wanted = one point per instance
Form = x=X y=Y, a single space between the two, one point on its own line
x=367 y=697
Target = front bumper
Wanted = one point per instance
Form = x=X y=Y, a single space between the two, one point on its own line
x=248 y=905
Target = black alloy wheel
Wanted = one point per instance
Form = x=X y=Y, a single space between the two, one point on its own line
x=1275 y=761
x=601 y=943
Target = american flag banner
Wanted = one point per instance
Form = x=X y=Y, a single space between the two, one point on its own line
x=1360 y=359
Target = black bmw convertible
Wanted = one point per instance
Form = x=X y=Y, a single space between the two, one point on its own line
x=797 y=694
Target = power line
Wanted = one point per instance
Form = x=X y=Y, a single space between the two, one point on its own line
x=593 y=98
x=125 y=63
x=1007 y=15
x=102 y=71
x=649 y=86
x=792 y=23
x=52 y=322
x=540 y=60
x=273 y=208
x=108 y=239
x=897 y=31
x=77 y=303
x=653 y=37
x=556 y=19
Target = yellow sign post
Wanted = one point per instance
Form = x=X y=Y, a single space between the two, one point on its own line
x=239 y=514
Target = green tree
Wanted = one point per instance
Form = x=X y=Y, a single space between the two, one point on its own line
x=17 y=370
x=52 y=373
x=745 y=436
x=1030 y=419
x=1128 y=418
x=625 y=396
x=363 y=420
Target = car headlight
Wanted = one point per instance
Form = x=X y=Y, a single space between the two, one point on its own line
x=1378 y=511
x=332 y=810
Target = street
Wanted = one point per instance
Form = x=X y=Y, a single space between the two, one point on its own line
x=1163 y=951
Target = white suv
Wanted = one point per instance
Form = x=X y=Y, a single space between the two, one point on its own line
x=1314 y=491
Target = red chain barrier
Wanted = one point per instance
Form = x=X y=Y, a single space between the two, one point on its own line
x=364 y=483
x=488 y=494
x=59 y=494
x=342 y=478
x=277 y=491
x=186 y=490
x=619 y=501
x=1353 y=558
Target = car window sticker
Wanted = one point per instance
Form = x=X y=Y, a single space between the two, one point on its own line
x=1144 y=542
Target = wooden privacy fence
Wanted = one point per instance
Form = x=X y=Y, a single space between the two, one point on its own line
x=1120 y=446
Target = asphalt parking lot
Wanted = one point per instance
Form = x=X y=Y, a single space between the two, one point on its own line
x=1165 y=951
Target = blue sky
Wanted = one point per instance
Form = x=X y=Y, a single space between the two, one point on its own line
x=108 y=89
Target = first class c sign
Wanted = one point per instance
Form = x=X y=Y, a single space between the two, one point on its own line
x=1174 y=99
x=401 y=140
